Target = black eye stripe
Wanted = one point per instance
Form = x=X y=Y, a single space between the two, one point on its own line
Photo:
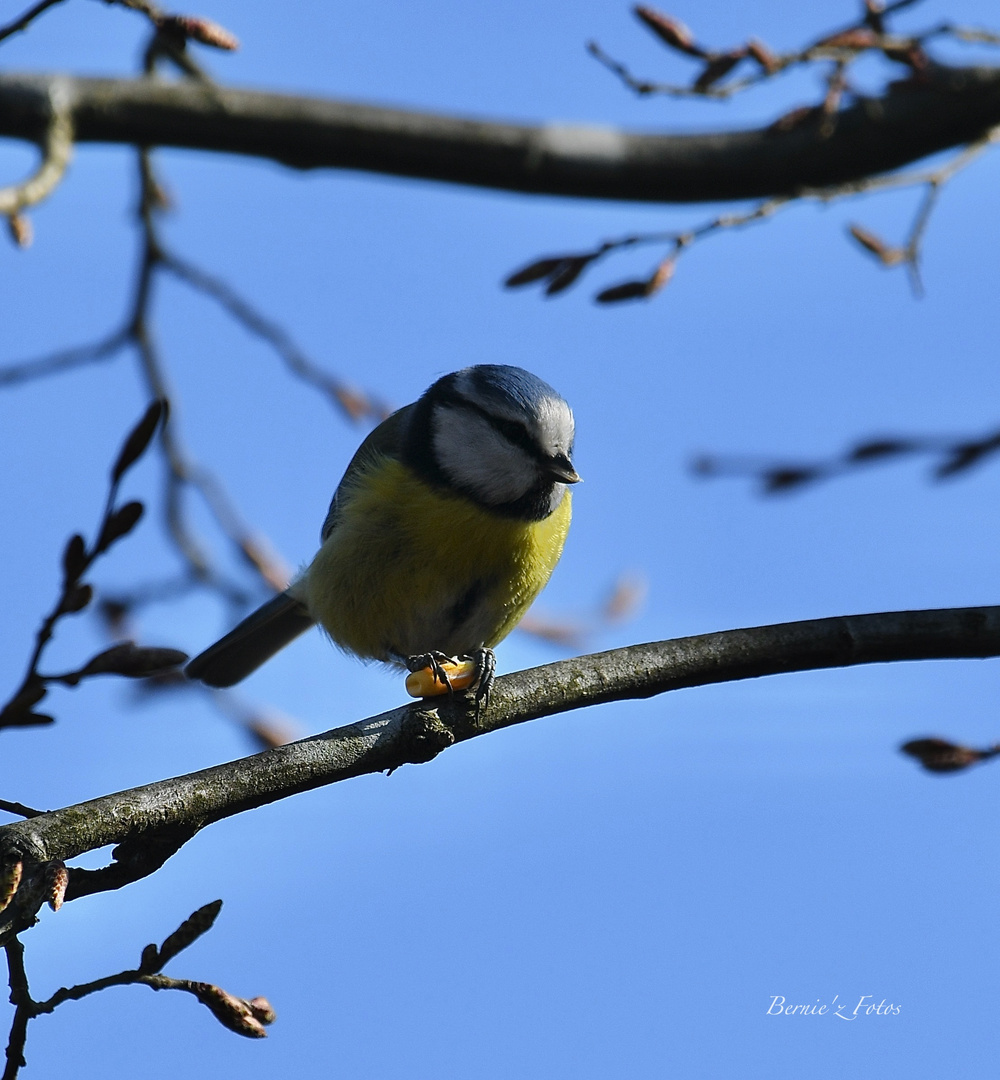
x=511 y=430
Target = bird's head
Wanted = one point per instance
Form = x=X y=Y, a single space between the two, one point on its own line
x=498 y=435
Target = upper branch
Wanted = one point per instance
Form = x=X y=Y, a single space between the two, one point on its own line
x=949 y=107
x=166 y=814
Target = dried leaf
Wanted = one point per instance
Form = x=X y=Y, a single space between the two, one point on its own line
x=776 y=480
x=56 y=881
x=670 y=31
x=202 y=30
x=627 y=290
x=887 y=255
x=758 y=51
x=941 y=756
x=963 y=457
x=120 y=523
x=559 y=632
x=353 y=402
x=114 y=612
x=189 y=931
x=138 y=439
x=262 y=1010
x=705 y=466
x=272 y=731
x=74 y=558
x=76 y=599
x=662 y=276
x=535 y=271
x=880 y=448
x=857 y=39
x=134 y=662
x=627 y=595
x=30 y=696
x=717 y=68
x=232 y=1012
x=571 y=269
x=20 y=230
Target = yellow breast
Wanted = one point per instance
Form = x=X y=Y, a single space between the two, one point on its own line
x=408 y=569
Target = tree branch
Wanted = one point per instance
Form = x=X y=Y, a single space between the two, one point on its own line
x=169 y=812
x=950 y=107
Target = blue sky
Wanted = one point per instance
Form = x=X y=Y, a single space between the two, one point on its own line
x=622 y=889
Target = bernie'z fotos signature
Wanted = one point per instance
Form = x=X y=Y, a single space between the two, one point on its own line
x=866 y=1006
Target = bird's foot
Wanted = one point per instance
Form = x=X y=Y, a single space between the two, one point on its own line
x=436 y=662
x=486 y=666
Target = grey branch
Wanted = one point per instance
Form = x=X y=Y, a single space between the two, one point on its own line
x=952 y=107
x=56 y=142
x=150 y=823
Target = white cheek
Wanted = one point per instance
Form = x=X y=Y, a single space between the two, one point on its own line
x=476 y=457
x=555 y=426
x=558 y=491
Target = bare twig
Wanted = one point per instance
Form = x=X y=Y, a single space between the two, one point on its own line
x=646 y=87
x=180 y=470
x=909 y=254
x=116 y=522
x=954 y=456
x=246 y=1018
x=57 y=150
x=842 y=46
x=559 y=272
x=27 y=18
x=351 y=402
x=64 y=359
x=19 y=808
x=20 y=998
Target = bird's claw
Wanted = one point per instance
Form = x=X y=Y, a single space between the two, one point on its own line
x=486 y=666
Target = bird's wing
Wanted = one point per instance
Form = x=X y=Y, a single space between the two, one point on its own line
x=385 y=441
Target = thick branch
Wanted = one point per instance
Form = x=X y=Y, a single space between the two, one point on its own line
x=952 y=107
x=416 y=733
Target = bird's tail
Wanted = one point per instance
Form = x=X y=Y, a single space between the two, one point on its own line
x=270 y=628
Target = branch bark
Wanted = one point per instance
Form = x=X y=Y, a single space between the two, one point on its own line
x=952 y=107
x=162 y=816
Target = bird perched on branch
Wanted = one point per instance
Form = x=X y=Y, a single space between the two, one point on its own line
x=447 y=524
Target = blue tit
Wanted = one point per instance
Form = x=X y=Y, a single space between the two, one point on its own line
x=447 y=524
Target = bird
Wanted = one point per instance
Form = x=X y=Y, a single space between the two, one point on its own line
x=448 y=522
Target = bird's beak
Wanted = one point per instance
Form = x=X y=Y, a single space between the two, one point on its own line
x=561 y=468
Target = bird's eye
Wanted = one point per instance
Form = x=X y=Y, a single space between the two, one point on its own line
x=515 y=433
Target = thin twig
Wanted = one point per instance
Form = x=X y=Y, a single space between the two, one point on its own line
x=28 y=17
x=954 y=456
x=842 y=46
x=75 y=594
x=557 y=273
x=350 y=402
x=246 y=1018
x=21 y=1000
x=64 y=359
x=20 y=809
x=57 y=151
